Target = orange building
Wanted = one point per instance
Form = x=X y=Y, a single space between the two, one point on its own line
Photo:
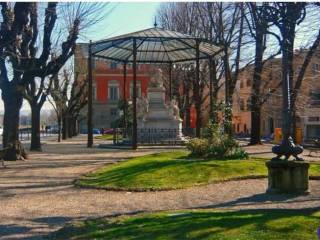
x=108 y=86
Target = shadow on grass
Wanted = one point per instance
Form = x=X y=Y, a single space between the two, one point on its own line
x=169 y=171
x=124 y=175
x=246 y=224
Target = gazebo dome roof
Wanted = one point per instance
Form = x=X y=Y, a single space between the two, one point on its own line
x=154 y=45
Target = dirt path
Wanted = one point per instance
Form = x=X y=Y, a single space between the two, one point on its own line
x=37 y=196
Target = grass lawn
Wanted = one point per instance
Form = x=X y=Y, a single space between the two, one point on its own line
x=173 y=170
x=201 y=224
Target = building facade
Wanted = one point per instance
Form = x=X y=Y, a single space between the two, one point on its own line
x=307 y=103
x=109 y=87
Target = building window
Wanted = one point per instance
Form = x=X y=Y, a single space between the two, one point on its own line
x=113 y=65
x=249 y=104
x=314 y=98
x=313 y=119
x=241 y=104
x=113 y=90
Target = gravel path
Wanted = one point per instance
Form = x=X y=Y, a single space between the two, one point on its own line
x=37 y=195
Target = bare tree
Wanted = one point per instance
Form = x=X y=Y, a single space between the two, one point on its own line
x=69 y=94
x=227 y=22
x=259 y=26
x=189 y=18
x=31 y=66
x=287 y=16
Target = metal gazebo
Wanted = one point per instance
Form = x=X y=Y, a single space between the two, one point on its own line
x=153 y=45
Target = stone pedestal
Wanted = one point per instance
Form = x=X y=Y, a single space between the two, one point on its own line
x=288 y=176
x=158 y=123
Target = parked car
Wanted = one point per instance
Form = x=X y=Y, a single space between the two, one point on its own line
x=96 y=131
x=108 y=131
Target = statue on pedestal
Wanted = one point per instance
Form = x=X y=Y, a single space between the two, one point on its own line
x=174 y=109
x=142 y=107
x=156 y=79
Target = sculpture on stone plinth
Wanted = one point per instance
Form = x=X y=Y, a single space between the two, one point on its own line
x=156 y=80
x=174 y=109
x=142 y=107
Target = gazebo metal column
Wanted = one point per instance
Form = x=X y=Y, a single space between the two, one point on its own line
x=124 y=96
x=170 y=81
x=211 y=86
x=197 y=97
x=89 y=117
x=134 y=95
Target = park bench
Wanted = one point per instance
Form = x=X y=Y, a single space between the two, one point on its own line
x=313 y=145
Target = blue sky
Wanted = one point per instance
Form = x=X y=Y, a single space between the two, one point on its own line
x=125 y=18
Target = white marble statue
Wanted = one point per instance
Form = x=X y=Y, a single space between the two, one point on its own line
x=142 y=107
x=156 y=80
x=154 y=114
x=174 y=109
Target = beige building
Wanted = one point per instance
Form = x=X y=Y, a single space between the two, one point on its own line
x=308 y=102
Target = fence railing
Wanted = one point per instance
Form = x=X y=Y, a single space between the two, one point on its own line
x=25 y=134
x=151 y=136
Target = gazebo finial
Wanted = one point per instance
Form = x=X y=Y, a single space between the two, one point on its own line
x=155 y=22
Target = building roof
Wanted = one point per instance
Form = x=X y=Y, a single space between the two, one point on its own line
x=154 y=45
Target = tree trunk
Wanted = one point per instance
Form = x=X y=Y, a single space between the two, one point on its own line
x=197 y=103
x=294 y=124
x=215 y=89
x=228 y=97
x=186 y=92
x=215 y=117
x=64 y=127
x=198 y=119
x=59 y=127
x=35 y=128
x=73 y=127
x=70 y=127
x=12 y=104
x=255 y=137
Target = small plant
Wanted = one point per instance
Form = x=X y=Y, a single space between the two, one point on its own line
x=198 y=146
x=216 y=144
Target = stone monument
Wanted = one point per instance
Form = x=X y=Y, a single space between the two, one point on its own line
x=288 y=176
x=158 y=121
